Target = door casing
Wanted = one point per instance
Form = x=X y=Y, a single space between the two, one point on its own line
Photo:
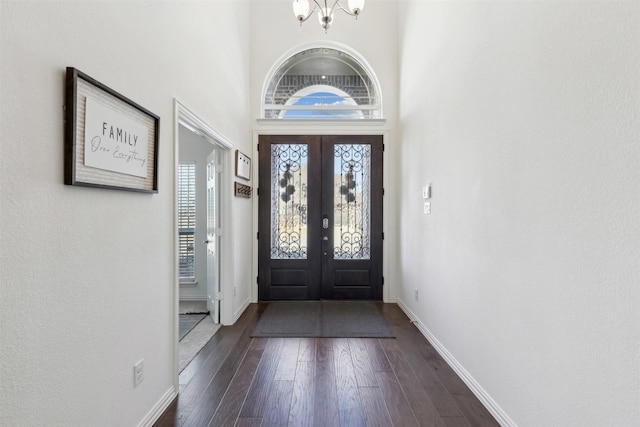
x=213 y=239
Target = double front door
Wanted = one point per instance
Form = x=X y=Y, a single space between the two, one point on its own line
x=320 y=217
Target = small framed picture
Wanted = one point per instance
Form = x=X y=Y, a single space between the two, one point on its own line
x=243 y=166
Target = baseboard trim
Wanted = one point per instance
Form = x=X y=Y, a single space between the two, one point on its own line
x=241 y=310
x=159 y=408
x=498 y=413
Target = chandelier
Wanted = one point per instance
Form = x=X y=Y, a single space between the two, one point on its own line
x=302 y=10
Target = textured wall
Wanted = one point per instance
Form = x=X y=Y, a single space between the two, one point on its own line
x=87 y=275
x=524 y=116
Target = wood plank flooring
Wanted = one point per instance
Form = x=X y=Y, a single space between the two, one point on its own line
x=240 y=381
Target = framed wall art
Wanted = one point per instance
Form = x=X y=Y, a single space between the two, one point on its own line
x=243 y=166
x=110 y=141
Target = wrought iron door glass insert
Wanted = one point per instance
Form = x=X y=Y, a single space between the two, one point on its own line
x=289 y=201
x=352 y=180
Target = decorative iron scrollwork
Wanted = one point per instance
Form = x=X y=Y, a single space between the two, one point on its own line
x=288 y=205
x=352 y=201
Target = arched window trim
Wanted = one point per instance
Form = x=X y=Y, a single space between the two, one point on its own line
x=276 y=71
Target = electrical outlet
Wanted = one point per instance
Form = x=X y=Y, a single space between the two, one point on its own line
x=138 y=373
x=415 y=294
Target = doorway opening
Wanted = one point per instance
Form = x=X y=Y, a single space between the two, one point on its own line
x=203 y=254
x=320 y=217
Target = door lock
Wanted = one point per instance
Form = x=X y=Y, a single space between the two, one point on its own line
x=325 y=223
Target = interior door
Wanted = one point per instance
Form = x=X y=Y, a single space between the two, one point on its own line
x=212 y=241
x=320 y=217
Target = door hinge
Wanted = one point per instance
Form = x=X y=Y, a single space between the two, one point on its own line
x=383 y=280
x=382 y=235
x=258 y=235
x=382 y=147
x=258 y=191
x=219 y=168
x=258 y=280
x=218 y=296
x=383 y=191
x=257 y=147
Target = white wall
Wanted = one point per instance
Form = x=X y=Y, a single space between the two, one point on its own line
x=276 y=32
x=525 y=117
x=87 y=275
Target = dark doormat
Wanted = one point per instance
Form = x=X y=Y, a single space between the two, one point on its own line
x=334 y=319
x=188 y=322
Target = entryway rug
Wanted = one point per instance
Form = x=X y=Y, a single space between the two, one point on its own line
x=331 y=319
x=187 y=323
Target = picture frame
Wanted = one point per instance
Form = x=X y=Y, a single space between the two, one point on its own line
x=243 y=166
x=109 y=141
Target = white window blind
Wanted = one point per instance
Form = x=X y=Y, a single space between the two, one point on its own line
x=187 y=219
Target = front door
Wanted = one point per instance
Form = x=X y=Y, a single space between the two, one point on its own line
x=320 y=217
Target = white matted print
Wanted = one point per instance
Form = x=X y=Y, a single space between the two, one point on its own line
x=114 y=142
x=243 y=166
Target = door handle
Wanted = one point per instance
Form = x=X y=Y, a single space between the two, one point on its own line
x=325 y=223
x=207 y=241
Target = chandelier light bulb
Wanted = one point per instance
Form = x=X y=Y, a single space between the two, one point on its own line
x=301 y=10
x=356 y=6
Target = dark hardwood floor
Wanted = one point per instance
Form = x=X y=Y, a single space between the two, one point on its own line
x=237 y=380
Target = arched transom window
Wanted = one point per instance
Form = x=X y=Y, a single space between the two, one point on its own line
x=322 y=83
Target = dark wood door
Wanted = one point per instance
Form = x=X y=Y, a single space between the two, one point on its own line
x=320 y=217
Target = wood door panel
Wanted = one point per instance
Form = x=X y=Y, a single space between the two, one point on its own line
x=353 y=274
x=351 y=277
x=289 y=277
x=308 y=288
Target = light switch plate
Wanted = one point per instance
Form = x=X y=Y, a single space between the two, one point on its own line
x=426 y=192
